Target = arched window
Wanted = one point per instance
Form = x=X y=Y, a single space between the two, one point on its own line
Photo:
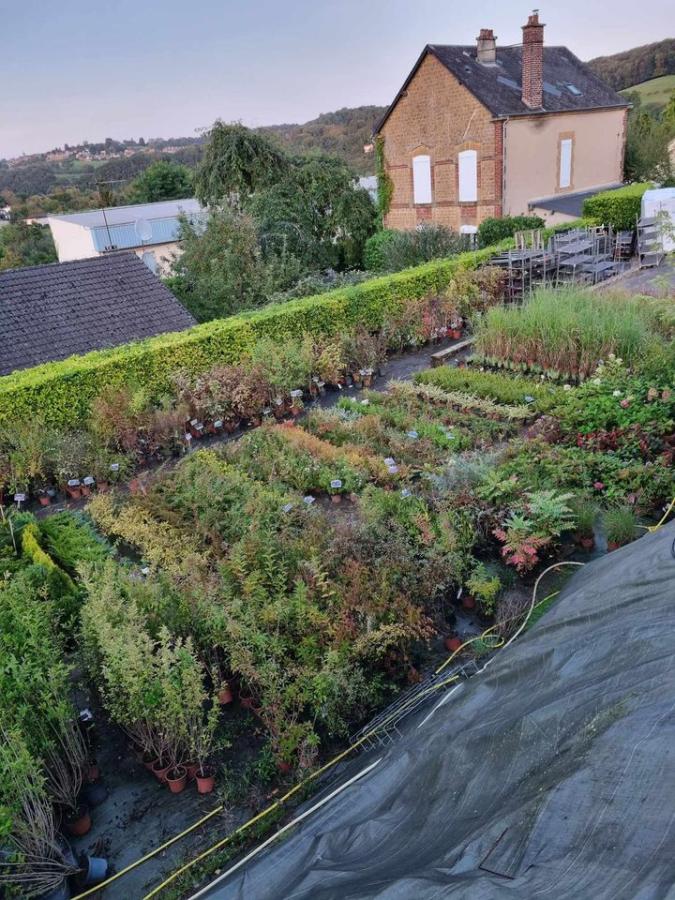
x=422 y=179
x=468 y=176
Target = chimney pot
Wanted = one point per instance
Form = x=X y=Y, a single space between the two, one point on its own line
x=533 y=62
x=486 y=47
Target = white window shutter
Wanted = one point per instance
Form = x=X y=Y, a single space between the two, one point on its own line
x=422 y=179
x=468 y=176
x=565 y=163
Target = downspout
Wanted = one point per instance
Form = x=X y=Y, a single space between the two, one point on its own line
x=504 y=124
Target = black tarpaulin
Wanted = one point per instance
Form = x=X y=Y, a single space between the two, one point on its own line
x=549 y=775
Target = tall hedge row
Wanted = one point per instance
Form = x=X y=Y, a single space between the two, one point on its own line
x=619 y=208
x=62 y=392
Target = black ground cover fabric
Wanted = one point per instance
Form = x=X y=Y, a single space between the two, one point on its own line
x=549 y=775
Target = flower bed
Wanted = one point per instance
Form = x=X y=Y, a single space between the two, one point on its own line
x=238 y=580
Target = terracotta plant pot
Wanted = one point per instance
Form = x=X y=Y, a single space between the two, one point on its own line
x=206 y=780
x=103 y=486
x=613 y=545
x=86 y=490
x=456 y=334
x=588 y=543
x=148 y=760
x=135 y=486
x=177 y=779
x=225 y=695
x=44 y=499
x=160 y=770
x=73 y=492
x=453 y=643
x=191 y=770
x=283 y=766
x=78 y=823
x=468 y=602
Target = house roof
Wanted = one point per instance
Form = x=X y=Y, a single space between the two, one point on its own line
x=138 y=225
x=569 y=85
x=54 y=311
x=569 y=204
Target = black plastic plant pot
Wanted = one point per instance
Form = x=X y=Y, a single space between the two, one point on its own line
x=93 y=870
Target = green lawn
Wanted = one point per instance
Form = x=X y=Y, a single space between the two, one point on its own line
x=656 y=92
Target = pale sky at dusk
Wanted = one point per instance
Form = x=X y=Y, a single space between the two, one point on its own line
x=72 y=70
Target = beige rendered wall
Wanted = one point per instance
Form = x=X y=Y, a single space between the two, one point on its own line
x=164 y=255
x=532 y=161
x=439 y=117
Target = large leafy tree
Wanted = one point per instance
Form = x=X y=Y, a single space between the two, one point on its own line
x=220 y=271
x=646 y=156
x=237 y=162
x=25 y=245
x=163 y=180
x=317 y=213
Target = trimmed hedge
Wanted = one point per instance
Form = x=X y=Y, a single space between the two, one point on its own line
x=619 y=208
x=62 y=392
x=492 y=230
x=373 y=252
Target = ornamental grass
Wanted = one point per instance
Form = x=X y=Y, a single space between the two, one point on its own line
x=566 y=333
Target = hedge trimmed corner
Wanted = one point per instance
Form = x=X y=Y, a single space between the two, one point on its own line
x=619 y=208
x=62 y=392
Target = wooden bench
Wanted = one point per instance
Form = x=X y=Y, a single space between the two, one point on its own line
x=441 y=357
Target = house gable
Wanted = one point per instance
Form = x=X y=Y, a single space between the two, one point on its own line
x=437 y=116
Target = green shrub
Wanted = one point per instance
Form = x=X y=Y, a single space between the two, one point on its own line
x=63 y=391
x=491 y=231
x=500 y=388
x=374 y=253
x=403 y=249
x=619 y=208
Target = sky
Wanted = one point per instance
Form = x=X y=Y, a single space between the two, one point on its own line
x=74 y=70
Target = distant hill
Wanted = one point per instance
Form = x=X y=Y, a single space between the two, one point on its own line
x=633 y=67
x=342 y=133
x=654 y=94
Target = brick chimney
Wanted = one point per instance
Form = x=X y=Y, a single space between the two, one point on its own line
x=486 y=47
x=533 y=62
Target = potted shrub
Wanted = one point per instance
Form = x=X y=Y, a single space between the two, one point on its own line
x=201 y=729
x=484 y=584
x=35 y=862
x=225 y=695
x=620 y=526
x=585 y=515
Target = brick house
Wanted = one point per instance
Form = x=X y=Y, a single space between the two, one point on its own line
x=480 y=131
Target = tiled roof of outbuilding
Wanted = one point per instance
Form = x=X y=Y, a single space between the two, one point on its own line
x=58 y=310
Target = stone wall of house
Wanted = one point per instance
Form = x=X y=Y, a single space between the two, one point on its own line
x=439 y=117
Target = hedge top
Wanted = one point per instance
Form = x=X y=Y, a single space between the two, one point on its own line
x=64 y=390
x=619 y=208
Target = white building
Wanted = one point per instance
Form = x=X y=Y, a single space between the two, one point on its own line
x=149 y=229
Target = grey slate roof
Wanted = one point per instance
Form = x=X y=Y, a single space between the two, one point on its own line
x=498 y=87
x=569 y=204
x=58 y=310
